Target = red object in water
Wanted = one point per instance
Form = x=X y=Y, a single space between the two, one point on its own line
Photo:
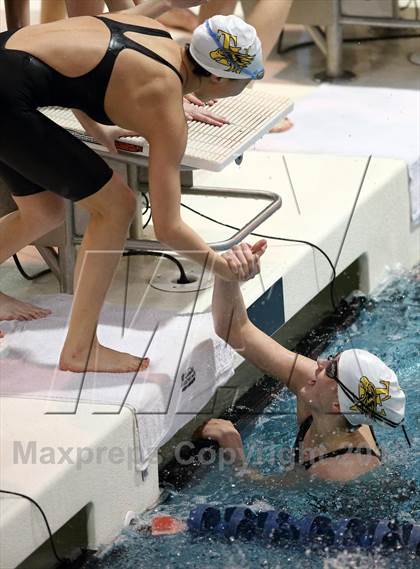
x=166 y=525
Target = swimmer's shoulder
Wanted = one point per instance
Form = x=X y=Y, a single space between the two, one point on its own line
x=345 y=467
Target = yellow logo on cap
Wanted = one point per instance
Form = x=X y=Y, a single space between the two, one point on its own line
x=231 y=55
x=371 y=397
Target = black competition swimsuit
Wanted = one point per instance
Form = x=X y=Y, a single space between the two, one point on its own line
x=35 y=153
x=308 y=463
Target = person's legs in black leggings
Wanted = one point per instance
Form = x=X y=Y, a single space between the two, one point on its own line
x=49 y=157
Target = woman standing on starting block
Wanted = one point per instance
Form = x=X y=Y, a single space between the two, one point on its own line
x=122 y=74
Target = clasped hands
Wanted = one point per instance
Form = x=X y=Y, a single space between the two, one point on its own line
x=243 y=260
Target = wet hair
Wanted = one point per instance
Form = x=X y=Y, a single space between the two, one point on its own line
x=350 y=427
x=196 y=67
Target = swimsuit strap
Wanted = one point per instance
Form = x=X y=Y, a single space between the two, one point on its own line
x=119 y=41
x=352 y=450
x=304 y=427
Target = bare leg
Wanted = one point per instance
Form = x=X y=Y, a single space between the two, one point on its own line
x=269 y=17
x=52 y=10
x=111 y=211
x=222 y=7
x=37 y=215
x=84 y=7
x=117 y=5
x=17 y=13
x=180 y=18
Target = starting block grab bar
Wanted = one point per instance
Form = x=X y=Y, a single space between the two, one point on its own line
x=240 y=235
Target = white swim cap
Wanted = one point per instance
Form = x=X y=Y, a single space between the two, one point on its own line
x=377 y=396
x=226 y=46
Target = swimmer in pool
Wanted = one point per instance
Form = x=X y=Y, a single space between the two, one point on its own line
x=122 y=74
x=339 y=398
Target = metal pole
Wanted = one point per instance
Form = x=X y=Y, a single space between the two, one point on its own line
x=318 y=38
x=379 y=22
x=335 y=42
x=334 y=37
x=51 y=258
x=136 y=228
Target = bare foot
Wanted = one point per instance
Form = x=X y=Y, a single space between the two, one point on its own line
x=180 y=18
x=103 y=360
x=284 y=126
x=13 y=309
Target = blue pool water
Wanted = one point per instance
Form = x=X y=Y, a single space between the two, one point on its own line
x=388 y=328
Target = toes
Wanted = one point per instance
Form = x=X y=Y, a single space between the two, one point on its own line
x=25 y=316
x=31 y=315
x=19 y=317
x=36 y=311
x=143 y=364
x=39 y=314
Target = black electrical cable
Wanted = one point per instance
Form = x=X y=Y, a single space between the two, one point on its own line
x=183 y=279
x=301 y=241
x=51 y=537
x=350 y=40
x=147 y=205
x=148 y=220
x=25 y=274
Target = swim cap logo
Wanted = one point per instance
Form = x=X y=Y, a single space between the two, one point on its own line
x=230 y=54
x=371 y=397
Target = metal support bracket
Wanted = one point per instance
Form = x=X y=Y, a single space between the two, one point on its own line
x=332 y=45
x=68 y=253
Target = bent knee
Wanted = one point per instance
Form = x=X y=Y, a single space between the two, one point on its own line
x=55 y=217
x=115 y=200
x=48 y=215
x=129 y=200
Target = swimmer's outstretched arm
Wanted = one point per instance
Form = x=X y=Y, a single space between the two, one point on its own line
x=232 y=324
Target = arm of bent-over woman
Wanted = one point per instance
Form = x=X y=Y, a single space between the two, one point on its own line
x=103 y=134
x=167 y=139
